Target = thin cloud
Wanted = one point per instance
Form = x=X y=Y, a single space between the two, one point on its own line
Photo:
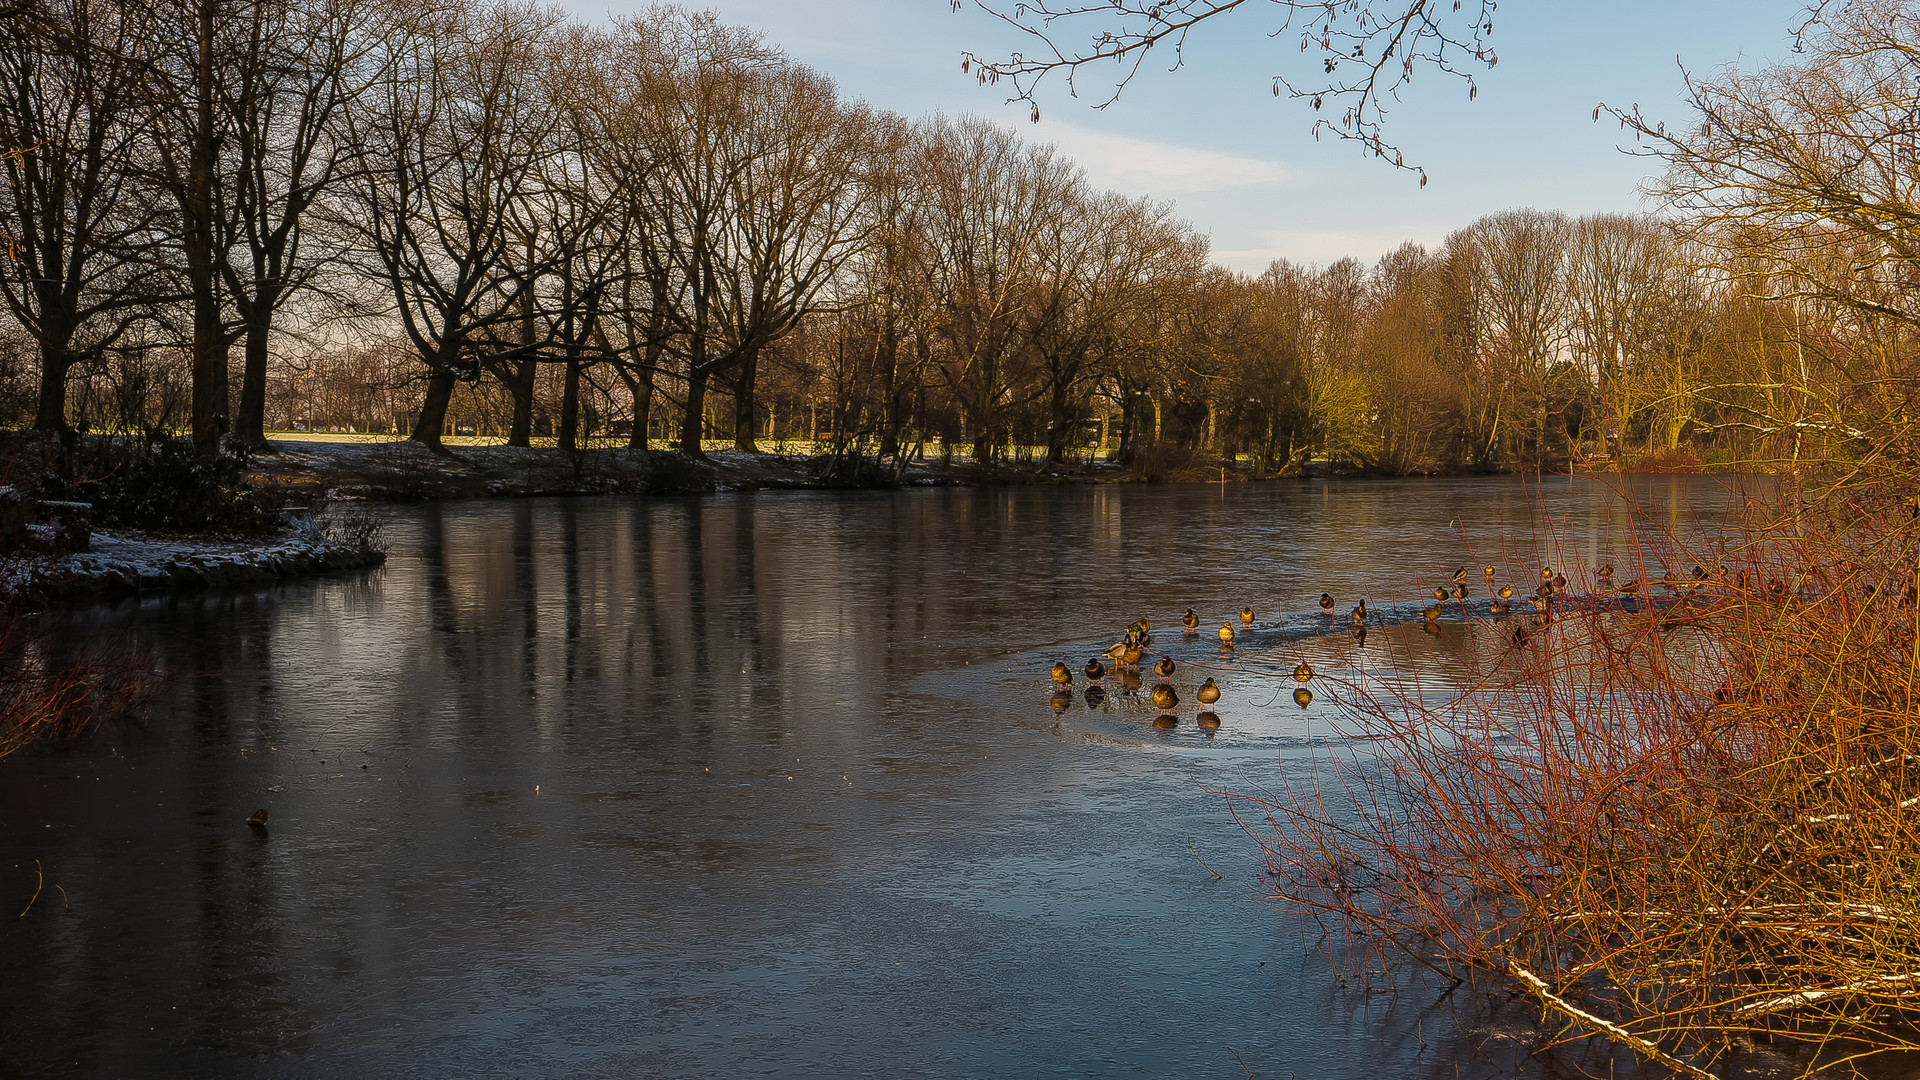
x=1148 y=167
x=1318 y=246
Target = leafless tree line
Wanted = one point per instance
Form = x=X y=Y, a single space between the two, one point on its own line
x=417 y=215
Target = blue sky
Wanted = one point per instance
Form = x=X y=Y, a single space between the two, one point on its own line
x=1239 y=163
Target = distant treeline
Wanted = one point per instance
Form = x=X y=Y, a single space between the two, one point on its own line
x=408 y=216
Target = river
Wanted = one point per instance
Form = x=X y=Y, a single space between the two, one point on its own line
x=751 y=783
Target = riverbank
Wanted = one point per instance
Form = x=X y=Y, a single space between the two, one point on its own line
x=316 y=469
x=118 y=564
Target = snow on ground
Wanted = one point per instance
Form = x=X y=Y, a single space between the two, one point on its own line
x=126 y=562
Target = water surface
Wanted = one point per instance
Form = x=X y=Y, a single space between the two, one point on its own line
x=743 y=784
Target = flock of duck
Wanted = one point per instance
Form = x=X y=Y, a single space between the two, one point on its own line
x=1121 y=660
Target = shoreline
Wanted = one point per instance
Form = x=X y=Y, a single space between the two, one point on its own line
x=128 y=564
x=345 y=469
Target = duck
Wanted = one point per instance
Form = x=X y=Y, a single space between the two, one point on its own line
x=1190 y=621
x=1117 y=652
x=1542 y=603
x=1359 y=613
x=1506 y=592
x=258 y=819
x=1488 y=570
x=1303 y=671
x=1560 y=583
x=1605 y=574
x=1326 y=603
x=1460 y=592
x=1546 y=573
x=1163 y=667
x=1061 y=674
x=1246 y=616
x=1460 y=575
x=1226 y=633
x=1439 y=594
x=1303 y=697
x=1164 y=697
x=1500 y=607
x=1209 y=693
x=1095 y=670
x=1131 y=656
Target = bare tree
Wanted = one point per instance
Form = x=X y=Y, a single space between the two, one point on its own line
x=78 y=273
x=447 y=151
x=297 y=66
x=1361 y=54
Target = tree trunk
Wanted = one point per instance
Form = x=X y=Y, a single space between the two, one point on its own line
x=250 y=422
x=52 y=412
x=431 y=426
x=570 y=405
x=743 y=437
x=209 y=335
x=696 y=413
x=524 y=371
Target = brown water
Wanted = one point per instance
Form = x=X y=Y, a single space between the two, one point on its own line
x=744 y=784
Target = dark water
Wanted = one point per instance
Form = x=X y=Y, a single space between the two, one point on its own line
x=751 y=784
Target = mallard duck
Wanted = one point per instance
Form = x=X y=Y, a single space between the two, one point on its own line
x=1460 y=592
x=1163 y=667
x=1189 y=620
x=1460 y=575
x=1500 y=607
x=1541 y=603
x=1246 y=616
x=1303 y=697
x=1487 y=570
x=1209 y=693
x=1226 y=633
x=1303 y=671
x=1439 y=594
x=1164 y=697
x=258 y=819
x=1095 y=670
x=1061 y=674
x=1207 y=720
x=1559 y=583
x=1546 y=573
x=1359 y=613
x=1117 y=652
x=1326 y=603
x=1506 y=592
x=1432 y=613
x=1605 y=574
x=1145 y=626
x=1131 y=657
